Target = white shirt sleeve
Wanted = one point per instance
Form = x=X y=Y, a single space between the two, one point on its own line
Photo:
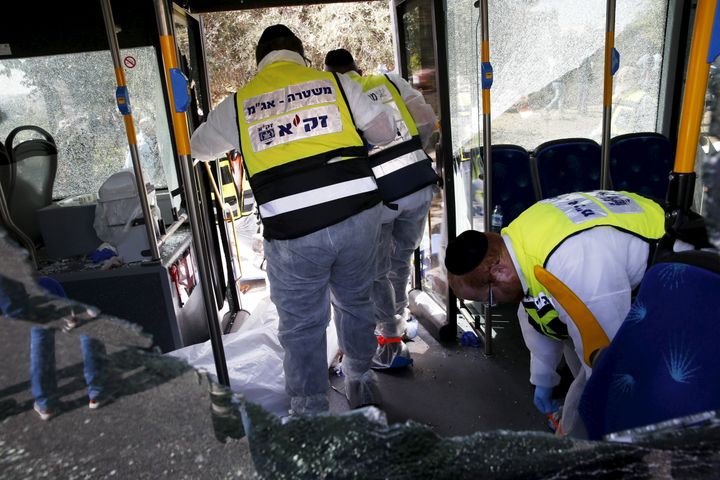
x=421 y=112
x=218 y=134
x=406 y=90
x=375 y=120
x=545 y=353
x=601 y=266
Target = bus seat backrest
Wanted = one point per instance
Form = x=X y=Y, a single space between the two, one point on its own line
x=663 y=361
x=567 y=165
x=641 y=163
x=34 y=165
x=513 y=182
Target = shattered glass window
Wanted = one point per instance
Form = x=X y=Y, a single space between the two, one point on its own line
x=708 y=149
x=73 y=98
x=706 y=202
x=421 y=66
x=547 y=58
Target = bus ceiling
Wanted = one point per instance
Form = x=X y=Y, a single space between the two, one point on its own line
x=206 y=6
x=58 y=28
x=67 y=27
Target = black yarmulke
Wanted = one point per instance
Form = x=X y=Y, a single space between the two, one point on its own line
x=275 y=31
x=339 y=58
x=466 y=252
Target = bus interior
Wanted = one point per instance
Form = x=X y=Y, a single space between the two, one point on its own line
x=193 y=288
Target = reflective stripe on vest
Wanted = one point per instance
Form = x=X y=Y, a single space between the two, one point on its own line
x=400 y=167
x=542 y=228
x=248 y=202
x=315 y=197
x=301 y=150
x=391 y=166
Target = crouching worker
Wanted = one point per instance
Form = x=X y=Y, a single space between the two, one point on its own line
x=298 y=130
x=573 y=262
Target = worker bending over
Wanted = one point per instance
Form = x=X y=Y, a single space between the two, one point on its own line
x=407 y=180
x=573 y=262
x=298 y=130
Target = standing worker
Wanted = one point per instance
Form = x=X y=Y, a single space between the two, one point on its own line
x=406 y=179
x=297 y=129
x=573 y=262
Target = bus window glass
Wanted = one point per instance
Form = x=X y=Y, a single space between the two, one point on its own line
x=188 y=63
x=709 y=151
x=417 y=33
x=710 y=174
x=418 y=28
x=547 y=58
x=73 y=98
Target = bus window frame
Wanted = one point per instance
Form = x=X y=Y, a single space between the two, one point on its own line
x=444 y=161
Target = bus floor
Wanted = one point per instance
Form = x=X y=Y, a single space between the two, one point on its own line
x=454 y=389
x=458 y=390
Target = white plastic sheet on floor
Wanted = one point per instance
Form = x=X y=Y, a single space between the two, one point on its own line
x=254 y=358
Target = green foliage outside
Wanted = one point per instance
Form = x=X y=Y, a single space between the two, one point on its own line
x=363 y=28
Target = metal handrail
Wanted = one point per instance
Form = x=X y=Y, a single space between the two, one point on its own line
x=123 y=102
x=607 y=94
x=182 y=218
x=182 y=142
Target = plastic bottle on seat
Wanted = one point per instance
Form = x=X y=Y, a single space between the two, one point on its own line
x=496 y=221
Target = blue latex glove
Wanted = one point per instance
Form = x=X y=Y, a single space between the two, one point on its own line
x=543 y=400
x=100 y=255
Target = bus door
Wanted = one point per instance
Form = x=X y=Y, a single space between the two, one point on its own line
x=421 y=57
x=191 y=54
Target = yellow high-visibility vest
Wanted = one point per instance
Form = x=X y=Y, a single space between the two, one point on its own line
x=306 y=161
x=542 y=228
x=401 y=167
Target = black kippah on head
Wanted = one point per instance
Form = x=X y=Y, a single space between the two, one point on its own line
x=466 y=252
x=275 y=31
x=339 y=58
x=277 y=37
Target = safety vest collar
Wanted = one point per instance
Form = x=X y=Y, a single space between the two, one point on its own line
x=278 y=56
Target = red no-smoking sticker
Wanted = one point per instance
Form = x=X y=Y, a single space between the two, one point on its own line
x=130 y=61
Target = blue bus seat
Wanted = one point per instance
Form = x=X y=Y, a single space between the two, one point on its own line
x=663 y=362
x=567 y=165
x=513 y=182
x=641 y=163
x=33 y=165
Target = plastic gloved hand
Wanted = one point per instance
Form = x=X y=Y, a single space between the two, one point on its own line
x=543 y=400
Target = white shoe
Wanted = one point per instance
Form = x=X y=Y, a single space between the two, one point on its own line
x=45 y=414
x=411 y=329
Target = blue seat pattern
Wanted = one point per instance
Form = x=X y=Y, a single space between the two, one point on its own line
x=568 y=165
x=663 y=363
x=641 y=163
x=512 y=180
